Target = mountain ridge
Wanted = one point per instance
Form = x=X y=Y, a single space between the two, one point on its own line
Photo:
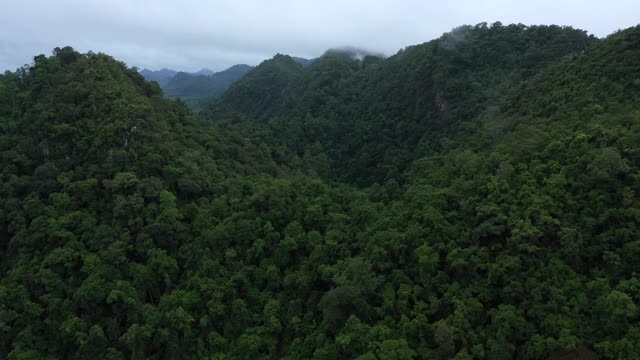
x=443 y=93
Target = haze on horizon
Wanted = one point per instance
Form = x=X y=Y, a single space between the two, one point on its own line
x=193 y=34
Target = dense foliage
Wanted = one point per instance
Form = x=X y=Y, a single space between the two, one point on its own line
x=474 y=197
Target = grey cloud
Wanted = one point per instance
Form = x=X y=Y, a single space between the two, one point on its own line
x=190 y=34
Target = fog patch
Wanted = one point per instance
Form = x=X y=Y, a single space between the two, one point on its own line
x=354 y=53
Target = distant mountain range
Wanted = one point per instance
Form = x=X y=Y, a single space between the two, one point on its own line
x=161 y=76
x=197 y=88
x=205 y=71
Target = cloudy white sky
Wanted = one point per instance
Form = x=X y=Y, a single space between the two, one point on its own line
x=191 y=34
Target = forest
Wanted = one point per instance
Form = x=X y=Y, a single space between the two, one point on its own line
x=472 y=197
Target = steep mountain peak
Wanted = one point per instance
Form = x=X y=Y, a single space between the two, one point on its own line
x=261 y=90
x=282 y=60
x=161 y=76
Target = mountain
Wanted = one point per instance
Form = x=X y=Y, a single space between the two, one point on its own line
x=232 y=74
x=196 y=89
x=261 y=90
x=372 y=117
x=472 y=197
x=205 y=72
x=199 y=87
x=161 y=76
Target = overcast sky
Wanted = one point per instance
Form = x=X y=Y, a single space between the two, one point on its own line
x=191 y=34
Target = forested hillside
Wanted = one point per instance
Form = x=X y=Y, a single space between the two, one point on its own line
x=372 y=117
x=473 y=197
